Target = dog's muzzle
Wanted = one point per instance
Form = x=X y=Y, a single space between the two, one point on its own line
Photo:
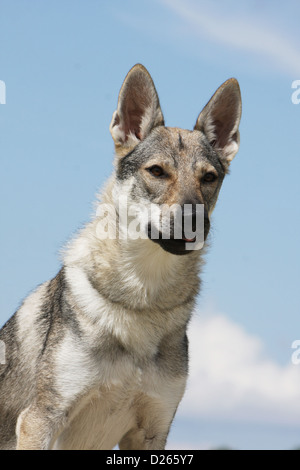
x=187 y=231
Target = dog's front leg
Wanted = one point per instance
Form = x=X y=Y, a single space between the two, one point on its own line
x=137 y=439
x=36 y=428
x=151 y=429
x=141 y=438
x=154 y=416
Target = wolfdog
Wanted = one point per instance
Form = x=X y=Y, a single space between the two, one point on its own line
x=98 y=356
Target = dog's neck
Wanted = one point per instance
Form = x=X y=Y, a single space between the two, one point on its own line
x=136 y=273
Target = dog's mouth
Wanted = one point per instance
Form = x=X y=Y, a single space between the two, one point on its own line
x=183 y=235
x=176 y=246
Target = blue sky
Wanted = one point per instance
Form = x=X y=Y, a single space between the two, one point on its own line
x=63 y=63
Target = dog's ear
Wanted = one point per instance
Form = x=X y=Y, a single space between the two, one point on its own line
x=220 y=119
x=138 y=110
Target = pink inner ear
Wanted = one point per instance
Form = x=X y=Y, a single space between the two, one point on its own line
x=133 y=115
x=137 y=96
x=221 y=133
x=138 y=107
x=223 y=125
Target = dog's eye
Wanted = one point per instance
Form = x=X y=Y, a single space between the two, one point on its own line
x=156 y=171
x=209 y=177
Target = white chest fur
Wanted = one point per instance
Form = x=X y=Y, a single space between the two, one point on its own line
x=122 y=393
x=138 y=331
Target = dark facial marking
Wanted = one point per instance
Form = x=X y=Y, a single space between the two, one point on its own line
x=180 y=142
x=213 y=157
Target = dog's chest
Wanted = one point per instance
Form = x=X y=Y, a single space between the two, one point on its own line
x=139 y=331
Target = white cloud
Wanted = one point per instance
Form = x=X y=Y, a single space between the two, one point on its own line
x=252 y=34
x=231 y=379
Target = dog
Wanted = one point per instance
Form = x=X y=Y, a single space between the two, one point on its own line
x=98 y=356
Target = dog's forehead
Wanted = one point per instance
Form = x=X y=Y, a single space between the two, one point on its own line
x=181 y=145
x=178 y=138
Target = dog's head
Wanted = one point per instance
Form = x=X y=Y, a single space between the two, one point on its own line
x=169 y=166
